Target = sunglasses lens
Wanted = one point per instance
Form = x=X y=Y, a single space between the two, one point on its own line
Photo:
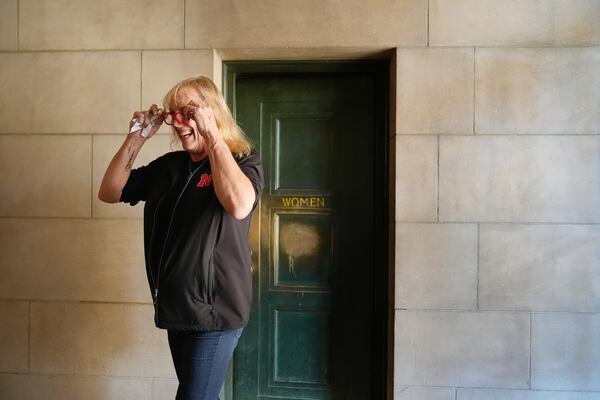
x=173 y=117
x=182 y=119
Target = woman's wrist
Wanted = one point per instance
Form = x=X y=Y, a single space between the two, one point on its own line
x=135 y=139
x=214 y=141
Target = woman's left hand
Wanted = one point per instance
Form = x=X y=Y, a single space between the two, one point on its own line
x=206 y=123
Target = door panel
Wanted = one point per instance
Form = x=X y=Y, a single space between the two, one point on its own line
x=302 y=246
x=312 y=324
x=295 y=293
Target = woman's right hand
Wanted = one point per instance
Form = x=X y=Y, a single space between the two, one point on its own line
x=118 y=171
x=152 y=116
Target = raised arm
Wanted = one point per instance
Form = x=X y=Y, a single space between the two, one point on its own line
x=233 y=189
x=118 y=170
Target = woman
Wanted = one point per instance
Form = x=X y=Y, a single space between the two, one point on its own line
x=196 y=219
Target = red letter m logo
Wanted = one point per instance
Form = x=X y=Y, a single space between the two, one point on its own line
x=205 y=180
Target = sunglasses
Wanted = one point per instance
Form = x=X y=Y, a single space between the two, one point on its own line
x=172 y=117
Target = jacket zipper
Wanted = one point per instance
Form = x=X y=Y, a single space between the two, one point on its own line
x=155 y=291
x=162 y=253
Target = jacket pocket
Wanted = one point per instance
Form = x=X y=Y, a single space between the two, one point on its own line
x=205 y=279
x=211 y=281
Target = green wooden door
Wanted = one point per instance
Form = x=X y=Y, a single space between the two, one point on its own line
x=317 y=235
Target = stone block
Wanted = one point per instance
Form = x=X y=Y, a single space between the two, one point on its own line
x=45 y=176
x=416 y=170
x=519 y=178
x=163 y=388
x=72 y=259
x=514 y=23
x=110 y=24
x=14 y=336
x=434 y=91
x=449 y=348
x=423 y=393
x=564 y=351
x=311 y=23
x=436 y=266
x=8 y=24
x=538 y=91
x=98 y=339
x=542 y=268
x=69 y=92
x=57 y=387
x=502 y=394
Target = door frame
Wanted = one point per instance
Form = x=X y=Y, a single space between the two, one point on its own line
x=382 y=342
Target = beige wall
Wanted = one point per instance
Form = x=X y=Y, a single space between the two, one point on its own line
x=496 y=154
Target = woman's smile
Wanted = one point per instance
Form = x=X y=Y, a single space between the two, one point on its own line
x=191 y=141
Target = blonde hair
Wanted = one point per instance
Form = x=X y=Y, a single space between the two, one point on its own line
x=233 y=135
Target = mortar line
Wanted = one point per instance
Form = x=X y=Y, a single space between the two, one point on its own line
x=489 y=310
x=18 y=22
x=373 y=51
x=516 y=389
x=478 y=251
x=455 y=394
x=534 y=223
x=398 y=135
x=69 y=135
x=530 y=331
x=511 y=388
x=497 y=135
x=92 y=180
x=428 y=4
x=438 y=179
x=29 y=337
x=64 y=301
x=97 y=50
x=400 y=222
x=79 y=375
x=141 y=75
x=474 y=90
x=69 y=218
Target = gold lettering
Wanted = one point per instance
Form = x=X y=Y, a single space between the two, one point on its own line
x=314 y=202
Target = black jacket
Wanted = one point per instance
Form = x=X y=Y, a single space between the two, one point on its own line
x=198 y=260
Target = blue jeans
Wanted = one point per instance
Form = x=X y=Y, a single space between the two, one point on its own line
x=201 y=360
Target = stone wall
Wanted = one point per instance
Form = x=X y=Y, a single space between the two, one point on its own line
x=496 y=137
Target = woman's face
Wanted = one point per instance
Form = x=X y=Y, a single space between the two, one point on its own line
x=187 y=132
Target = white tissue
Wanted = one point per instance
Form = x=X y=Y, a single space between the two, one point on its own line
x=136 y=126
x=145 y=131
x=148 y=128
